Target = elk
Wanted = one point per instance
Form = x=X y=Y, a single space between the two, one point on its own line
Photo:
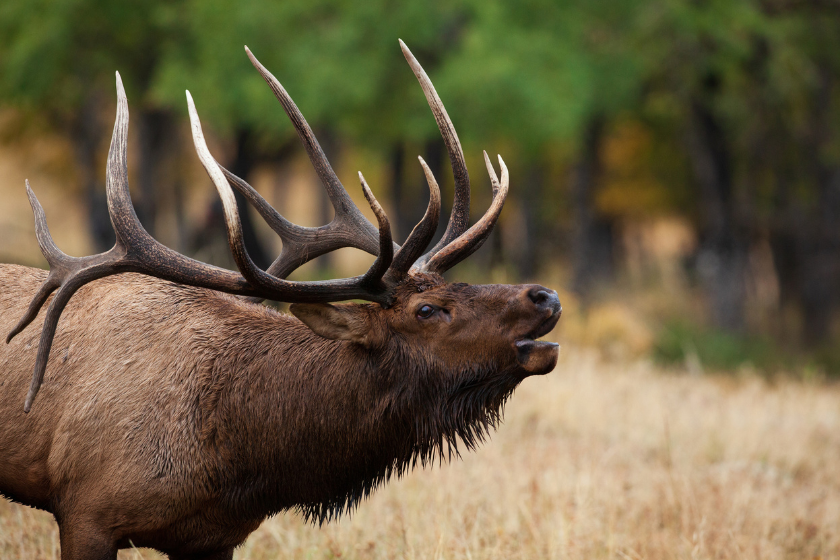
x=179 y=412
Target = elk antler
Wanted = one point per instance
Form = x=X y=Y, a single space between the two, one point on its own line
x=349 y=228
x=137 y=251
x=457 y=242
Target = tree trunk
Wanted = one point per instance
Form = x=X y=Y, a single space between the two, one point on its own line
x=396 y=161
x=593 y=240
x=436 y=158
x=819 y=245
x=157 y=131
x=722 y=259
x=530 y=202
x=332 y=150
x=242 y=165
x=87 y=132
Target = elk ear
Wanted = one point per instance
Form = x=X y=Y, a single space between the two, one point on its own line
x=337 y=322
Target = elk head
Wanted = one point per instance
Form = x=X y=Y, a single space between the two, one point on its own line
x=410 y=298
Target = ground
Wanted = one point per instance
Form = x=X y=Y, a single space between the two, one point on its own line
x=596 y=460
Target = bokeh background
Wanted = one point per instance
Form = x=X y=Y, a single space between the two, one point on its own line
x=683 y=150
x=675 y=175
x=675 y=161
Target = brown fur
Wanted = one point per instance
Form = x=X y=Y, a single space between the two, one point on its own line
x=179 y=418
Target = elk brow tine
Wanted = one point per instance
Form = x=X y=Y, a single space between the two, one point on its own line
x=459 y=220
x=267 y=285
x=424 y=231
x=473 y=238
x=50 y=251
x=345 y=209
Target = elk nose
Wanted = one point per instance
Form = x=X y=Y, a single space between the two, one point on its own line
x=544 y=298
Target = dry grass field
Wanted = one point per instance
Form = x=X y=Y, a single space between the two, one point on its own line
x=596 y=460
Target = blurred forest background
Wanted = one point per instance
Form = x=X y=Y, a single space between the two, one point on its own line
x=675 y=164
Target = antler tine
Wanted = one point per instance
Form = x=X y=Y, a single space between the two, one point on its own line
x=346 y=212
x=423 y=232
x=469 y=242
x=361 y=287
x=459 y=220
x=53 y=255
x=383 y=262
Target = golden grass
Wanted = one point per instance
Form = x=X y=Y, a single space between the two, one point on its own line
x=597 y=460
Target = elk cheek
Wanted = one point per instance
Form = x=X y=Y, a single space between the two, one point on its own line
x=537 y=357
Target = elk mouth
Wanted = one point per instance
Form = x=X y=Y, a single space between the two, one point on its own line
x=538 y=356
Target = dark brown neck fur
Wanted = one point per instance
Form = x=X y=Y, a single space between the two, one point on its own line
x=298 y=420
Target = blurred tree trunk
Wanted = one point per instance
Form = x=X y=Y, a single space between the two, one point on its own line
x=86 y=130
x=819 y=245
x=411 y=198
x=243 y=164
x=209 y=232
x=593 y=239
x=158 y=132
x=722 y=258
x=396 y=161
x=332 y=149
x=819 y=249
x=531 y=203
x=783 y=239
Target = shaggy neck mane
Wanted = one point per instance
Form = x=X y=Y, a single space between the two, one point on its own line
x=349 y=438
x=453 y=413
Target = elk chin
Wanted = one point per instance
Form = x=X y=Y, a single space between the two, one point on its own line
x=536 y=357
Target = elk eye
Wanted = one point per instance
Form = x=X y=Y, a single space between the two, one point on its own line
x=425 y=312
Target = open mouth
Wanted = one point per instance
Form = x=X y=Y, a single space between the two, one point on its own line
x=538 y=357
x=529 y=342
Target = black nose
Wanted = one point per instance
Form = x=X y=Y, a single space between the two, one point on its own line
x=544 y=298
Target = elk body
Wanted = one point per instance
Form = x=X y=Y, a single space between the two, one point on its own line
x=178 y=414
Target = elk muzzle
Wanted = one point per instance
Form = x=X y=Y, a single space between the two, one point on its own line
x=538 y=357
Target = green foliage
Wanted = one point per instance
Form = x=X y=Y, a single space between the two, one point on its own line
x=524 y=78
x=701 y=348
x=535 y=72
x=54 y=53
x=682 y=342
x=531 y=72
x=340 y=60
x=526 y=74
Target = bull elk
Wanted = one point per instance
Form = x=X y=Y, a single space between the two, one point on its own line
x=179 y=412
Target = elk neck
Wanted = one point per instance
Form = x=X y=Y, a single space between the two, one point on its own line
x=294 y=419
